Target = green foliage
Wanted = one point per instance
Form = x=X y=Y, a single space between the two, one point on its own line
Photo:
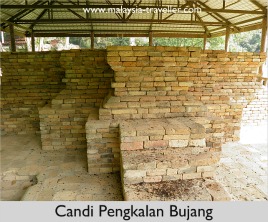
x=104 y=42
x=246 y=41
x=216 y=43
x=195 y=42
x=142 y=41
x=100 y=42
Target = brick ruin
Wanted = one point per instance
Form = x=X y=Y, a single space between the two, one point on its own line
x=156 y=113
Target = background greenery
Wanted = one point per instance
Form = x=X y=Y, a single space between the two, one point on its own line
x=241 y=42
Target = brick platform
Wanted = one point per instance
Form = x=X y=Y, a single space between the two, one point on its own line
x=164 y=149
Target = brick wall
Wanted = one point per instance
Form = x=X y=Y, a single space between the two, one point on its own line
x=149 y=82
x=88 y=81
x=256 y=112
x=156 y=82
x=29 y=81
x=210 y=87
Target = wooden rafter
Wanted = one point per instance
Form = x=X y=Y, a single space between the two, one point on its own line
x=25 y=12
x=174 y=13
x=87 y=34
x=114 y=31
x=117 y=14
x=259 y=6
x=218 y=15
x=88 y=15
x=239 y=23
x=89 y=24
x=205 y=9
x=19 y=15
x=138 y=4
x=40 y=16
x=136 y=21
x=72 y=11
x=202 y=22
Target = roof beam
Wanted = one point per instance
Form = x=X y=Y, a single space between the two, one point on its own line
x=130 y=14
x=38 y=18
x=171 y=35
x=206 y=9
x=114 y=30
x=15 y=25
x=88 y=15
x=202 y=22
x=117 y=14
x=136 y=21
x=41 y=15
x=21 y=13
x=72 y=11
x=218 y=15
x=174 y=13
x=245 y=29
x=260 y=6
x=240 y=23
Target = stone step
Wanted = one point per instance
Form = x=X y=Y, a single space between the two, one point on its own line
x=64 y=128
x=169 y=164
x=161 y=134
x=168 y=149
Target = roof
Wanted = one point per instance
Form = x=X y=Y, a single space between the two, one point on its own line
x=160 y=17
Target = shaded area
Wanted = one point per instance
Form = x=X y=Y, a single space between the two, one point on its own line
x=60 y=175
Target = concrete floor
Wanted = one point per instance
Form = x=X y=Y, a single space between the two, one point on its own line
x=243 y=167
x=29 y=173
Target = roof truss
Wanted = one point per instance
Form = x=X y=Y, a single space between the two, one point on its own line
x=42 y=17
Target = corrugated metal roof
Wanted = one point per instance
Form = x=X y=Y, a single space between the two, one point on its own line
x=68 y=16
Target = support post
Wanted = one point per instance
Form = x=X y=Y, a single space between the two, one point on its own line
x=227 y=36
x=263 y=42
x=264 y=34
x=204 y=43
x=12 y=38
x=92 y=40
x=150 y=39
x=33 y=41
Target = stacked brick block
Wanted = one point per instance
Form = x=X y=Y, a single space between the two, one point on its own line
x=73 y=88
x=151 y=83
x=88 y=80
x=29 y=81
x=103 y=146
x=226 y=83
x=256 y=112
x=164 y=149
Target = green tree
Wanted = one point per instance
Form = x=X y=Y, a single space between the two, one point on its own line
x=246 y=41
x=216 y=43
x=195 y=42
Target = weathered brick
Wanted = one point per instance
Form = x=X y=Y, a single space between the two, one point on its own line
x=131 y=146
x=178 y=143
x=155 y=144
